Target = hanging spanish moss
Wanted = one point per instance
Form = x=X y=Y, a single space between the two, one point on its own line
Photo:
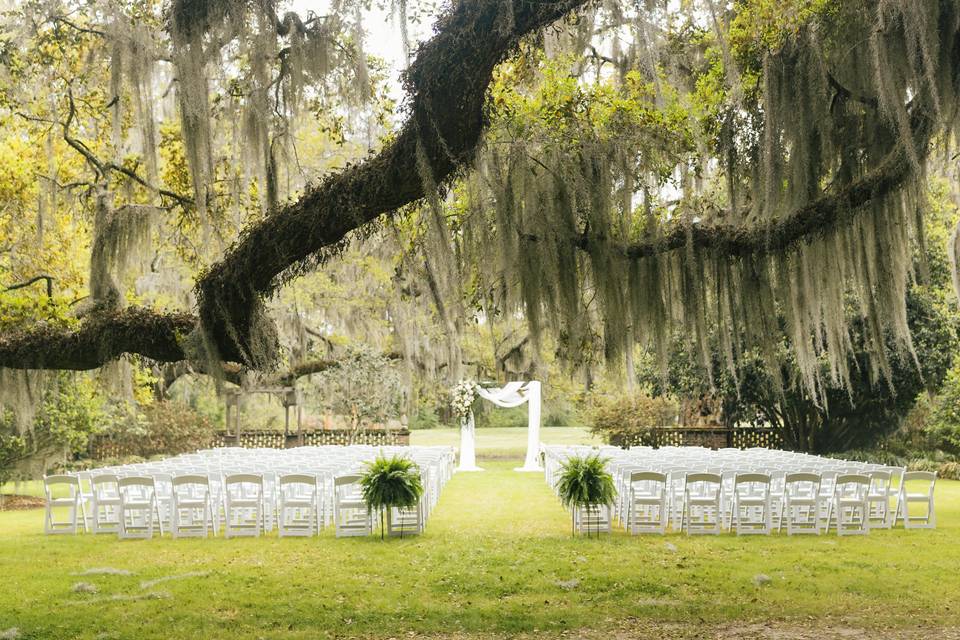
x=133 y=57
x=121 y=246
x=278 y=63
x=21 y=392
x=573 y=251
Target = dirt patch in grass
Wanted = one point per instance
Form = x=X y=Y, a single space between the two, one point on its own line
x=12 y=502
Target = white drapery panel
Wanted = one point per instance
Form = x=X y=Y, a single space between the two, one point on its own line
x=513 y=394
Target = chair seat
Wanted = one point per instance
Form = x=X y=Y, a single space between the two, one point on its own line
x=244 y=503
x=190 y=504
x=850 y=501
x=297 y=503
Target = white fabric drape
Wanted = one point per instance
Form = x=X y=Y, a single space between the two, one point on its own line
x=468 y=445
x=513 y=394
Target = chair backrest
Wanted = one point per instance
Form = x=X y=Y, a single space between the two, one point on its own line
x=929 y=477
x=297 y=484
x=298 y=478
x=239 y=483
x=852 y=484
x=879 y=480
x=341 y=481
x=51 y=483
x=243 y=478
x=693 y=478
x=179 y=481
x=135 y=481
x=104 y=484
x=752 y=478
x=795 y=483
x=647 y=476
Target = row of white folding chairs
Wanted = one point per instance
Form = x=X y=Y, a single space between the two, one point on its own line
x=884 y=483
x=855 y=505
x=241 y=503
x=217 y=463
x=129 y=506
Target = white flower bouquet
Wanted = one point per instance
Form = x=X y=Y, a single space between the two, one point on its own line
x=462 y=396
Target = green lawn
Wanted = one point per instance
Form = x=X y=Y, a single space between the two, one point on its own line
x=503 y=443
x=497 y=558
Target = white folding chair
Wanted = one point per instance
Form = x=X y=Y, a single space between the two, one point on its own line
x=351 y=515
x=297 y=505
x=927 y=481
x=878 y=500
x=849 y=507
x=63 y=492
x=243 y=500
x=593 y=518
x=86 y=499
x=646 y=510
x=139 y=512
x=702 y=506
x=896 y=484
x=802 y=503
x=752 y=512
x=106 y=503
x=191 y=510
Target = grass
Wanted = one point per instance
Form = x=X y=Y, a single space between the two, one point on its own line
x=497 y=443
x=497 y=558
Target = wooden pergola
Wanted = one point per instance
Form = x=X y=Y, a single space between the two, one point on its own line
x=289 y=397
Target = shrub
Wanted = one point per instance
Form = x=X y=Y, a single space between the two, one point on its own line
x=923 y=464
x=12 y=449
x=949 y=471
x=877 y=456
x=626 y=420
x=163 y=428
x=391 y=482
x=425 y=418
x=585 y=482
x=174 y=428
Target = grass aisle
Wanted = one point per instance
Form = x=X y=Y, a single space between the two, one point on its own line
x=497 y=558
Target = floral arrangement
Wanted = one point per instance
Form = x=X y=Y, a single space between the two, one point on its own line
x=462 y=397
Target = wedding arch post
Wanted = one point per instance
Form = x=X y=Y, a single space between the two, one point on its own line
x=468 y=444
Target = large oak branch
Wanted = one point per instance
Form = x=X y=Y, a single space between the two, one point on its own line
x=448 y=83
x=99 y=340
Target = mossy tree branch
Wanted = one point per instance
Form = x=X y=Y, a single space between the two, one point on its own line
x=100 y=339
x=448 y=84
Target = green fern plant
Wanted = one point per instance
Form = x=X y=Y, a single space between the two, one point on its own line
x=391 y=482
x=585 y=482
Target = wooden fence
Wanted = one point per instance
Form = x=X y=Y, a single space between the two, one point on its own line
x=104 y=447
x=712 y=438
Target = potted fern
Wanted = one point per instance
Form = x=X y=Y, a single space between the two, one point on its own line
x=585 y=484
x=391 y=483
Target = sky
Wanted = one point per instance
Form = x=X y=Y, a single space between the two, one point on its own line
x=381 y=36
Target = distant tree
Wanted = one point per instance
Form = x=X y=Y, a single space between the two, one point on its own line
x=855 y=416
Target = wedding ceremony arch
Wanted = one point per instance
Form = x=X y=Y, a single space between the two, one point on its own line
x=513 y=394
